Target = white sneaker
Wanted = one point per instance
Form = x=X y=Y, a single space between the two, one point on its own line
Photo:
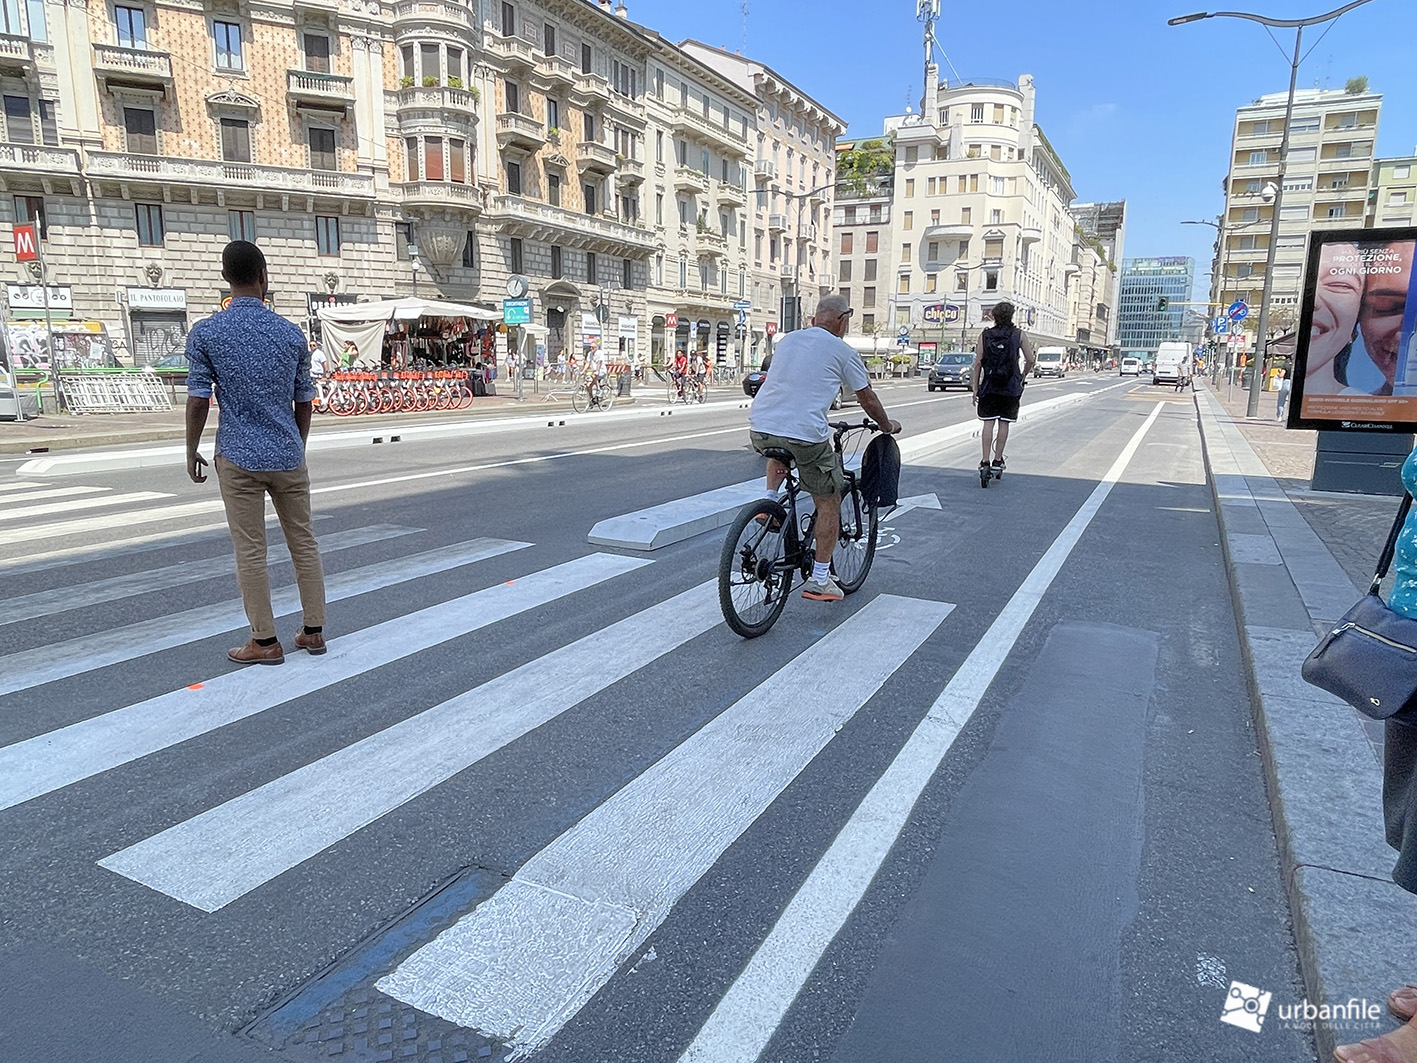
x=827 y=591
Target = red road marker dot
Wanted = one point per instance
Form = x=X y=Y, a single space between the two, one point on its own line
x=509 y=582
x=196 y=686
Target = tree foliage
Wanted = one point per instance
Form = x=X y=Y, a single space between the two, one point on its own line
x=1356 y=86
x=866 y=167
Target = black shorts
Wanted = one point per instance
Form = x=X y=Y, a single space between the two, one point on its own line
x=998 y=407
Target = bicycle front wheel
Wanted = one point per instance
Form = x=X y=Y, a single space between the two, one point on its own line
x=856 y=545
x=607 y=395
x=580 y=399
x=753 y=584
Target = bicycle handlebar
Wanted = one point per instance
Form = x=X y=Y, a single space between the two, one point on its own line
x=842 y=427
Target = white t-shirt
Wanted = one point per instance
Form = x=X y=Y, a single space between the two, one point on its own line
x=809 y=368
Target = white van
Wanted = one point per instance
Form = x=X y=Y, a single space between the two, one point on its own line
x=1048 y=361
x=1173 y=363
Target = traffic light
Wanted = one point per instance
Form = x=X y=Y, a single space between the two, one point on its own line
x=1161 y=304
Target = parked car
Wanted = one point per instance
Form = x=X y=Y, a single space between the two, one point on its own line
x=951 y=371
x=1130 y=367
x=1049 y=361
x=753 y=380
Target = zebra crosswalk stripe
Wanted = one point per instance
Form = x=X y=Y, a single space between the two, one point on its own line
x=82 y=526
x=51 y=492
x=48 y=508
x=45 y=664
x=21 y=485
x=523 y=963
x=221 y=854
x=50 y=761
x=78 y=596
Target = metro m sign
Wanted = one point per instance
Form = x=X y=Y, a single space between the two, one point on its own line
x=26 y=247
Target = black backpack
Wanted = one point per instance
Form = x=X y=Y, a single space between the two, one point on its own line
x=880 y=471
x=1001 y=374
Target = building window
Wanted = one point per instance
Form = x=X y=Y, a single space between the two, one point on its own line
x=326 y=235
x=433 y=158
x=149 y=217
x=235 y=140
x=553 y=189
x=586 y=65
x=1259 y=158
x=843 y=271
x=627 y=273
x=589 y=191
x=961 y=282
x=908 y=222
x=905 y=253
x=912 y=154
x=1401 y=172
x=909 y=188
x=1250 y=215
x=624 y=79
x=140 y=124
x=903 y=284
x=19 y=125
x=469 y=251
x=873 y=239
x=410 y=151
x=228 y=46
x=1336 y=211
x=457 y=161
x=548 y=38
x=29 y=210
x=514 y=97
x=868 y=296
x=514 y=258
x=556 y=263
x=868 y=323
x=976 y=112
x=590 y=267
x=996 y=217
x=514 y=178
x=48 y=124
x=930 y=283
x=553 y=115
x=991 y=280
x=241 y=225
x=403 y=240
x=132 y=26
x=317 y=53
x=322 y=150
x=683 y=274
x=509 y=20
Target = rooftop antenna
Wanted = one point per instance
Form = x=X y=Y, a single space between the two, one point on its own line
x=928 y=12
x=743 y=48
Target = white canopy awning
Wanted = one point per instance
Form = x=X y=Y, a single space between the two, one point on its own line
x=881 y=346
x=408 y=309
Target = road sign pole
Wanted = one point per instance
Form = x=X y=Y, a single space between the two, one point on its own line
x=49 y=323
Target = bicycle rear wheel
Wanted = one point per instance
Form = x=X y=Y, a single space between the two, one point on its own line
x=607 y=395
x=580 y=398
x=752 y=586
x=856 y=545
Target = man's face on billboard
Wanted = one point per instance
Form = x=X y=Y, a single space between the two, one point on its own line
x=1337 y=298
x=1384 y=303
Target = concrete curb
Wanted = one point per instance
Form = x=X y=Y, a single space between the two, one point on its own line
x=1355 y=929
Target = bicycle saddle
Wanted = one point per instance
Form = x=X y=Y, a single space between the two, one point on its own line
x=778 y=454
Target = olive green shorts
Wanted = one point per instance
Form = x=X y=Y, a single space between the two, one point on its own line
x=817 y=463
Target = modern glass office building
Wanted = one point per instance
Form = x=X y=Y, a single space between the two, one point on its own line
x=1141 y=326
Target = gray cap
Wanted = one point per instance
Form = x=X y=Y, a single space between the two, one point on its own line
x=834 y=304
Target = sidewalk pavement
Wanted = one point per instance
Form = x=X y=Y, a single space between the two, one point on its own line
x=1297 y=561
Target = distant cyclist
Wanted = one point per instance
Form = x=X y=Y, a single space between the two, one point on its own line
x=810 y=367
x=998 y=383
x=680 y=372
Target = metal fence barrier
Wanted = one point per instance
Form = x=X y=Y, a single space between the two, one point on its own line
x=115 y=393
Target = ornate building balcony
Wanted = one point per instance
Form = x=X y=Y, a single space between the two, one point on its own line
x=688 y=179
x=520 y=131
x=124 y=168
x=529 y=219
x=444 y=195
x=595 y=158
x=512 y=52
x=321 y=91
x=137 y=68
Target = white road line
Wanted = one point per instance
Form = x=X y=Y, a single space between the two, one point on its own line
x=221 y=854
x=749 y=1013
x=524 y=962
x=51 y=492
x=45 y=664
x=113 y=520
x=21 y=485
x=79 y=555
x=80 y=503
x=80 y=595
x=48 y=762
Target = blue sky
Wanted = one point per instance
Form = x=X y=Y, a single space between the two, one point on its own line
x=1138 y=110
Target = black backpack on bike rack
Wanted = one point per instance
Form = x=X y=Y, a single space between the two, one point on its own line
x=880 y=472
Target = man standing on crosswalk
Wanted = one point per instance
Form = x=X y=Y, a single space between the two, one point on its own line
x=809 y=370
x=259 y=367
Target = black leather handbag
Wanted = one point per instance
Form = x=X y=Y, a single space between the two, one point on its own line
x=1369 y=659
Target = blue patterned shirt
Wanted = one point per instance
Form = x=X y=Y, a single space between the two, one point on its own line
x=258 y=364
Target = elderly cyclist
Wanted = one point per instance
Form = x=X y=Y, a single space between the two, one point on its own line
x=809 y=369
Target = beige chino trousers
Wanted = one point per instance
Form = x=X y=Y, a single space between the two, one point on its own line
x=244 y=494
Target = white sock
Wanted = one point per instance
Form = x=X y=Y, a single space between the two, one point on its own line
x=821 y=571
x=775 y=492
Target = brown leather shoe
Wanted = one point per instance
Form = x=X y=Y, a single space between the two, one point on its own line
x=313 y=643
x=254 y=653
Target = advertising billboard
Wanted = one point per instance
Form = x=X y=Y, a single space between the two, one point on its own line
x=1356 y=364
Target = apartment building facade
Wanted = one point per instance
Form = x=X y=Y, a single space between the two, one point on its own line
x=1100 y=231
x=1328 y=173
x=1142 y=322
x=1392 y=193
x=863 y=234
x=434 y=147
x=793 y=182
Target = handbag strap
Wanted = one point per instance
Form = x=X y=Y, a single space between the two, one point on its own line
x=1385 y=559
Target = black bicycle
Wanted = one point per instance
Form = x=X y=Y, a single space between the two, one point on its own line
x=768 y=545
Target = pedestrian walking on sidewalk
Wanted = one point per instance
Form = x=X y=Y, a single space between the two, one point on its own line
x=1399 y=802
x=258 y=366
x=998 y=383
x=1282 y=386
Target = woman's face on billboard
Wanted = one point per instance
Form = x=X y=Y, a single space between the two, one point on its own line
x=1337 y=299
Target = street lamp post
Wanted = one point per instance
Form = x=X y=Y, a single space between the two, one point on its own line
x=1297 y=25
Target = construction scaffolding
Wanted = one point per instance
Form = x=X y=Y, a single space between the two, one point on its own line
x=116 y=393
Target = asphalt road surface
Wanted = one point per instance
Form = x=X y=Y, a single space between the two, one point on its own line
x=539 y=802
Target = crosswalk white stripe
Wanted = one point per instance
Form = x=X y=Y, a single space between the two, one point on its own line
x=45 y=560
x=21 y=485
x=60 y=758
x=748 y=1015
x=45 y=664
x=80 y=595
x=85 y=525
x=51 y=492
x=80 y=503
x=221 y=854
x=521 y=964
